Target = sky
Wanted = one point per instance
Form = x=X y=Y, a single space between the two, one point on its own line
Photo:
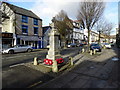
x=46 y=9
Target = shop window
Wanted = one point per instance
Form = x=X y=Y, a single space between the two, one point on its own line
x=24 y=19
x=18 y=40
x=35 y=30
x=24 y=29
x=35 y=21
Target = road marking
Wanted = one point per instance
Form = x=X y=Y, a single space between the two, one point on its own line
x=16 y=65
x=34 y=84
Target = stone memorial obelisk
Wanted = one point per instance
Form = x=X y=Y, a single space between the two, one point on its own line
x=54 y=52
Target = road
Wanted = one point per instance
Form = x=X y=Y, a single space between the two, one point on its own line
x=9 y=60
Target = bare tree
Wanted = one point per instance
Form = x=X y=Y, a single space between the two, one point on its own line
x=6 y=13
x=103 y=27
x=89 y=13
x=108 y=30
x=64 y=25
x=100 y=27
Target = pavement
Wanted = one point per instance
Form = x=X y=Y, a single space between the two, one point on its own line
x=97 y=71
x=94 y=72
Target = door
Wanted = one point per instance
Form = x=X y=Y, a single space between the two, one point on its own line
x=17 y=48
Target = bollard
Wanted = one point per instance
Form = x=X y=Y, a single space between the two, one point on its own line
x=35 y=61
x=104 y=47
x=83 y=50
x=91 y=52
x=55 y=66
x=71 y=61
x=94 y=51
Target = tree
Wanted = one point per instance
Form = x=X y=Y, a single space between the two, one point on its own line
x=89 y=13
x=108 y=30
x=64 y=25
x=103 y=27
x=6 y=13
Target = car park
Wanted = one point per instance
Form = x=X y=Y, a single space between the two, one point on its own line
x=96 y=47
x=17 y=48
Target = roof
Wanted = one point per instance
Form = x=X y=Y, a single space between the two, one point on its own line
x=22 y=11
x=45 y=28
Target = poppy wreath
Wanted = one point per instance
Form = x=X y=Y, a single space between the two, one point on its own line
x=60 y=60
x=50 y=62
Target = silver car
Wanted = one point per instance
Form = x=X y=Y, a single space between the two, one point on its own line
x=17 y=48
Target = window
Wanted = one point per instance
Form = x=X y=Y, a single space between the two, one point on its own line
x=24 y=29
x=35 y=21
x=35 y=30
x=24 y=19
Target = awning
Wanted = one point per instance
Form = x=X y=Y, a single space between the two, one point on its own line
x=29 y=38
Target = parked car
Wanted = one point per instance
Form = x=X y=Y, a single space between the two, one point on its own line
x=81 y=44
x=95 y=46
x=17 y=48
x=112 y=43
x=107 y=45
x=102 y=44
x=71 y=45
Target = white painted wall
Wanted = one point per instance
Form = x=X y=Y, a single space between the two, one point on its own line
x=78 y=34
x=46 y=38
x=93 y=36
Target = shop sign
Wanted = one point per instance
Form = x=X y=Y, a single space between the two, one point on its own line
x=7 y=35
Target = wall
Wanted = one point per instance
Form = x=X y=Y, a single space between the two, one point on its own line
x=29 y=24
x=46 y=38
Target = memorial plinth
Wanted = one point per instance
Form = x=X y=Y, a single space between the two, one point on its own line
x=54 y=52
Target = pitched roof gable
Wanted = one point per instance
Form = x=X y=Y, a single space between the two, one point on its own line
x=22 y=11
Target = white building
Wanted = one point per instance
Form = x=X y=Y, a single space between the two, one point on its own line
x=94 y=36
x=46 y=31
x=78 y=32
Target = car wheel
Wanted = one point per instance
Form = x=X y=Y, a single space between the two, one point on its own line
x=29 y=50
x=11 y=52
x=100 y=50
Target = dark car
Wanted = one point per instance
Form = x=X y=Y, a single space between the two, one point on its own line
x=96 y=47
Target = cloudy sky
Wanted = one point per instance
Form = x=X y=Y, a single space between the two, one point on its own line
x=46 y=9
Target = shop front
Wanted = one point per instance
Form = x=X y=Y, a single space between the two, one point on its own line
x=34 y=41
x=7 y=40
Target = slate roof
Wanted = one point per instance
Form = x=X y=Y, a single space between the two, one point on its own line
x=22 y=11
